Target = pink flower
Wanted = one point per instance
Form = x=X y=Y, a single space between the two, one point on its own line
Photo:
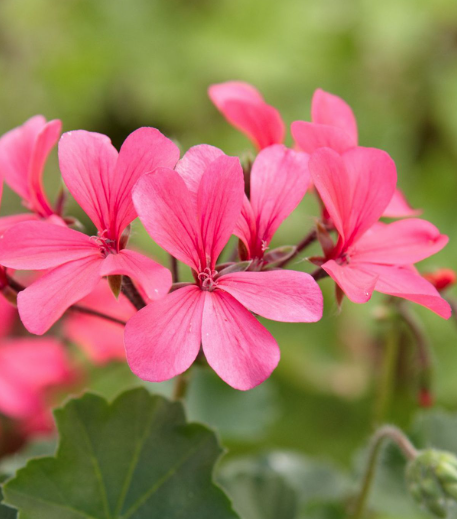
x=23 y=154
x=101 y=340
x=441 y=279
x=334 y=126
x=279 y=180
x=101 y=180
x=356 y=187
x=244 y=107
x=28 y=368
x=192 y=214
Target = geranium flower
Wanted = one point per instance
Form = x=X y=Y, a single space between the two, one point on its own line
x=28 y=368
x=334 y=126
x=101 y=340
x=192 y=214
x=244 y=107
x=356 y=187
x=101 y=180
x=23 y=154
x=279 y=180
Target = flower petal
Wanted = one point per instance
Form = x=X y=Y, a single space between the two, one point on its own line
x=355 y=187
x=246 y=228
x=309 y=137
x=10 y=221
x=399 y=243
x=163 y=339
x=194 y=163
x=220 y=198
x=279 y=180
x=406 y=283
x=87 y=162
x=27 y=367
x=16 y=148
x=163 y=203
x=100 y=339
x=399 y=208
x=44 y=301
x=41 y=245
x=281 y=295
x=243 y=107
x=45 y=141
x=239 y=349
x=143 y=151
x=331 y=110
x=154 y=278
x=356 y=281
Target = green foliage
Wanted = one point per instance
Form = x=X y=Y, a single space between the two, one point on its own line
x=135 y=458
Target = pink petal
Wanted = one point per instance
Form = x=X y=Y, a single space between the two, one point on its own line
x=239 y=349
x=164 y=205
x=356 y=281
x=309 y=137
x=163 y=339
x=281 y=295
x=16 y=148
x=246 y=228
x=399 y=208
x=279 y=180
x=404 y=282
x=194 y=163
x=101 y=340
x=40 y=245
x=399 y=243
x=44 y=301
x=46 y=140
x=153 y=277
x=87 y=162
x=27 y=367
x=10 y=221
x=331 y=110
x=355 y=187
x=220 y=198
x=243 y=107
x=143 y=151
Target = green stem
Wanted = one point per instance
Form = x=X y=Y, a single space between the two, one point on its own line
x=131 y=293
x=181 y=386
x=385 y=432
x=387 y=378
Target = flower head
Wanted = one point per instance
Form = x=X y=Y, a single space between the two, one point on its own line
x=101 y=180
x=333 y=125
x=356 y=187
x=244 y=107
x=191 y=213
x=23 y=154
x=279 y=180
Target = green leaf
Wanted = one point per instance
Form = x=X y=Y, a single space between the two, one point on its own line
x=136 y=458
x=285 y=485
x=5 y=511
x=259 y=492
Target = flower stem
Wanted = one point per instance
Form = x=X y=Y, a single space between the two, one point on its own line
x=181 y=386
x=131 y=293
x=310 y=238
x=319 y=273
x=385 y=432
x=174 y=269
x=387 y=379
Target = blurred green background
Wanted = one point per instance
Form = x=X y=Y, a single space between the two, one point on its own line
x=112 y=66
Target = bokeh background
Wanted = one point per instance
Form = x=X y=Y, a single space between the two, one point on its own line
x=113 y=66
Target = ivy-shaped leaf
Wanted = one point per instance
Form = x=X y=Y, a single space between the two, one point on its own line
x=136 y=458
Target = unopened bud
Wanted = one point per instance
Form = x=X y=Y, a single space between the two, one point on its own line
x=432 y=480
x=441 y=278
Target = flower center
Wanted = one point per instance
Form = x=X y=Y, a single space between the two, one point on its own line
x=206 y=279
x=105 y=244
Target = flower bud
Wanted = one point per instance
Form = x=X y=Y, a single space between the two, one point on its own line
x=432 y=480
x=441 y=278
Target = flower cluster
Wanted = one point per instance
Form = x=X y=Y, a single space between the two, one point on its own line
x=191 y=206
